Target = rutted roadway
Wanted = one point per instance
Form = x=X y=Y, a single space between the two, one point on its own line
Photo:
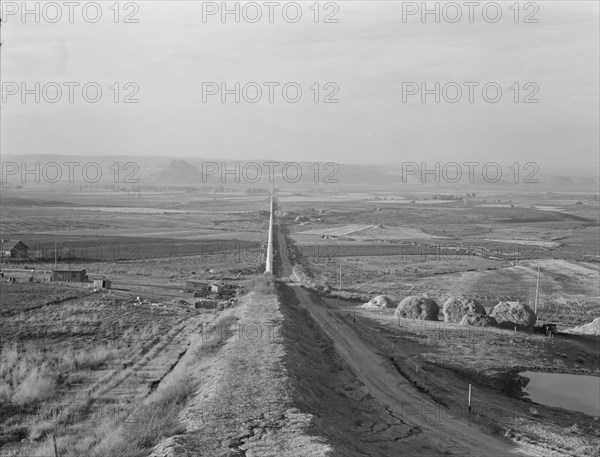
x=386 y=385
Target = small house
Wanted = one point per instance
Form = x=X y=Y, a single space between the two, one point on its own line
x=15 y=249
x=102 y=284
x=216 y=288
x=195 y=285
x=69 y=275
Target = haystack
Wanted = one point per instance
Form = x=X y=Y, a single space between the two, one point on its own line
x=455 y=308
x=418 y=308
x=478 y=320
x=513 y=314
x=379 y=302
x=593 y=328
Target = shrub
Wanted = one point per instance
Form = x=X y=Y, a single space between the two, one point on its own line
x=38 y=385
x=5 y=392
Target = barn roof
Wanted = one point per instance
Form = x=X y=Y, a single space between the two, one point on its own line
x=7 y=245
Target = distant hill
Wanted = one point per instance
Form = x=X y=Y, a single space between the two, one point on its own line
x=178 y=172
x=198 y=171
x=286 y=174
x=559 y=181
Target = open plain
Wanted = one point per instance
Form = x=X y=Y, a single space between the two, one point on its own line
x=291 y=364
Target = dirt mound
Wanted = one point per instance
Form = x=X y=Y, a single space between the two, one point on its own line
x=592 y=328
x=513 y=314
x=455 y=308
x=418 y=308
x=478 y=320
x=378 y=302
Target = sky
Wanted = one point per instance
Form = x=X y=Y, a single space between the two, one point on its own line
x=373 y=61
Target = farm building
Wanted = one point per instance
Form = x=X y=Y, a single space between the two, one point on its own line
x=216 y=288
x=69 y=275
x=102 y=284
x=14 y=249
x=195 y=285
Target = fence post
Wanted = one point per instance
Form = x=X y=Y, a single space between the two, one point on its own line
x=469 y=398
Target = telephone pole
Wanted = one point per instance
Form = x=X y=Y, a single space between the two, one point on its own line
x=340 y=286
x=537 y=288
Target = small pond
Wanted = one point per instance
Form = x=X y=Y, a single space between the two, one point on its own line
x=569 y=391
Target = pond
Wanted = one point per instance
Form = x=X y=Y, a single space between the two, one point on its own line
x=569 y=391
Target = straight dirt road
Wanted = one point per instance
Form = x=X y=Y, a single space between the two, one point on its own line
x=441 y=434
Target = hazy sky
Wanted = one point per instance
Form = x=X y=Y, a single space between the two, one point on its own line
x=369 y=53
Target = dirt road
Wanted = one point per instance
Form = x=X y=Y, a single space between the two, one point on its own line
x=443 y=433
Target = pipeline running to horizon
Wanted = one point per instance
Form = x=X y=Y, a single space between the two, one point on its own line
x=269 y=261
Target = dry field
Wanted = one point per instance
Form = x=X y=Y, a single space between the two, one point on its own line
x=77 y=366
x=93 y=368
x=568 y=292
x=111 y=375
x=490 y=253
x=497 y=253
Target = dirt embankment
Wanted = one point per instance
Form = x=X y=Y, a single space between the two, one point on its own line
x=276 y=387
x=244 y=404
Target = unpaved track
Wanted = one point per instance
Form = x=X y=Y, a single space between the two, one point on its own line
x=444 y=437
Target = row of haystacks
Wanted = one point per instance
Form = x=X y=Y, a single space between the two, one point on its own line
x=469 y=311
x=460 y=310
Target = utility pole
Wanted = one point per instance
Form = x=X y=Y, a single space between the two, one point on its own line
x=537 y=287
x=340 y=287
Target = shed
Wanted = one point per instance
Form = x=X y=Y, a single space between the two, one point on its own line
x=15 y=249
x=69 y=275
x=216 y=288
x=195 y=285
x=102 y=284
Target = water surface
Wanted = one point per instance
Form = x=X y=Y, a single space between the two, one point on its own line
x=569 y=391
